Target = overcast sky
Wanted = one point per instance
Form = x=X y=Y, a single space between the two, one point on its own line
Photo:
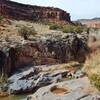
x=78 y=9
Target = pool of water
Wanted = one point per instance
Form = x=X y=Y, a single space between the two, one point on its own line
x=14 y=97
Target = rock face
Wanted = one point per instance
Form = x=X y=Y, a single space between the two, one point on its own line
x=39 y=76
x=35 y=13
x=42 y=50
x=91 y=23
x=76 y=89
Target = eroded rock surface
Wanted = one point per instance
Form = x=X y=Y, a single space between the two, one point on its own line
x=30 y=79
x=76 y=90
x=42 y=50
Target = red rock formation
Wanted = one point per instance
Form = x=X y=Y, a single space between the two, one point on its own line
x=51 y=49
x=36 y=13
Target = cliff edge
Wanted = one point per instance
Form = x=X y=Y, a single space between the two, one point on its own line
x=20 y=11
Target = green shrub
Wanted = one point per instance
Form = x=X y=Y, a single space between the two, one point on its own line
x=55 y=27
x=1 y=17
x=25 y=31
x=78 y=29
x=95 y=79
x=72 y=29
x=68 y=29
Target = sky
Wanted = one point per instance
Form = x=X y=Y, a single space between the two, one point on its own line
x=78 y=9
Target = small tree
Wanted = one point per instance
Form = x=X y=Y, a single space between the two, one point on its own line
x=25 y=31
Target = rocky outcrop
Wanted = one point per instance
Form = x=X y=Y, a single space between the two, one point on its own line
x=42 y=50
x=76 y=89
x=34 y=13
x=38 y=76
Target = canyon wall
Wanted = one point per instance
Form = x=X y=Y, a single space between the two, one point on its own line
x=35 y=13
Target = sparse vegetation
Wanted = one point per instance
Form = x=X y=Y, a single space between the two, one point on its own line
x=73 y=29
x=25 y=31
x=92 y=67
x=67 y=28
x=1 y=17
x=95 y=80
x=78 y=29
x=55 y=27
x=3 y=79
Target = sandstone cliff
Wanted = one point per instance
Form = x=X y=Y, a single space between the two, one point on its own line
x=36 y=13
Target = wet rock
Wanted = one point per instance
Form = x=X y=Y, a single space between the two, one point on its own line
x=4 y=94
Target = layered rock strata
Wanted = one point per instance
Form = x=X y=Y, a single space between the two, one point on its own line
x=35 y=13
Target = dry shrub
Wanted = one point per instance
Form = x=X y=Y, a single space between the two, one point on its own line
x=94 y=46
x=26 y=31
x=92 y=68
